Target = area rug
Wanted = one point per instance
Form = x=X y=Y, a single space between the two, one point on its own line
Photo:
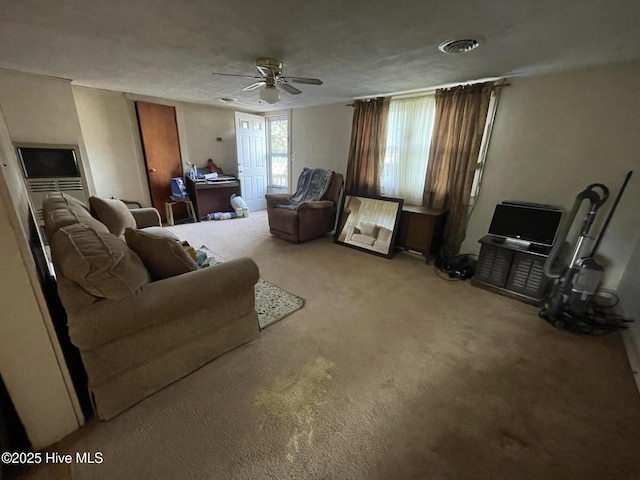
x=274 y=303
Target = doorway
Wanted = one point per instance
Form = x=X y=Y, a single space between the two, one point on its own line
x=161 y=147
x=252 y=159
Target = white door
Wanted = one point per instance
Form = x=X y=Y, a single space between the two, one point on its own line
x=252 y=159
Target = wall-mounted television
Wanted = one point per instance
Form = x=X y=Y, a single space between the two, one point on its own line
x=536 y=224
x=48 y=162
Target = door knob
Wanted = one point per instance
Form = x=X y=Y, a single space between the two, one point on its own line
x=152 y=170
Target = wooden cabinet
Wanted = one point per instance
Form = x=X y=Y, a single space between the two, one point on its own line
x=421 y=229
x=512 y=270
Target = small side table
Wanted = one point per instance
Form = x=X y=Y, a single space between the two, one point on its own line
x=171 y=201
x=421 y=229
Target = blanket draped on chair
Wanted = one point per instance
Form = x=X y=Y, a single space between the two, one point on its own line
x=312 y=185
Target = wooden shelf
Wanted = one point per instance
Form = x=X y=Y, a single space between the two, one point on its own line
x=421 y=229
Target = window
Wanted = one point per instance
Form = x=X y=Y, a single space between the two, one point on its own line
x=278 y=151
x=409 y=129
x=484 y=146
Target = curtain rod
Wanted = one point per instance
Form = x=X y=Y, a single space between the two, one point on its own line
x=431 y=92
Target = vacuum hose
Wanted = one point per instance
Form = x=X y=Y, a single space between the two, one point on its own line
x=597 y=200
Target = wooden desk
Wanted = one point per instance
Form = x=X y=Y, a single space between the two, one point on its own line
x=421 y=229
x=208 y=197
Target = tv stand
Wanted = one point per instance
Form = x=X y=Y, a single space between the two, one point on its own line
x=516 y=244
x=512 y=268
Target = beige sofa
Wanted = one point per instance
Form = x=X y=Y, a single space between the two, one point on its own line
x=369 y=236
x=137 y=335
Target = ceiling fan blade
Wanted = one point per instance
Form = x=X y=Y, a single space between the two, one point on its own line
x=264 y=71
x=308 y=81
x=289 y=88
x=234 y=75
x=253 y=86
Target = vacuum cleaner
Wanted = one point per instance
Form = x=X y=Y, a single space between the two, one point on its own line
x=568 y=306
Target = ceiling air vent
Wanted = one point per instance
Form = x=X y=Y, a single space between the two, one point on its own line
x=459 y=46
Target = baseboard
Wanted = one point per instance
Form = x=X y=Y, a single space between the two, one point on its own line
x=631 y=338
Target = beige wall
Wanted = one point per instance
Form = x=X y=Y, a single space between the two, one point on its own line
x=13 y=178
x=320 y=138
x=198 y=128
x=202 y=125
x=31 y=363
x=110 y=131
x=556 y=134
x=41 y=110
x=630 y=307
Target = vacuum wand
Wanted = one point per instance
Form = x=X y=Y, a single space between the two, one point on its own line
x=613 y=209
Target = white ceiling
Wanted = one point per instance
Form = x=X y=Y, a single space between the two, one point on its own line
x=359 y=48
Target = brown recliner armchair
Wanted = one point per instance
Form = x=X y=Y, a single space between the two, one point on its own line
x=310 y=219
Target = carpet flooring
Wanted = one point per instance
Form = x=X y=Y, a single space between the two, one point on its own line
x=388 y=372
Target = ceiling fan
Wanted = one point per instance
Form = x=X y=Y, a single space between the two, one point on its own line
x=271 y=79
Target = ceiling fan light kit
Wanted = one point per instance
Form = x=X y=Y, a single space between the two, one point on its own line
x=271 y=79
x=269 y=94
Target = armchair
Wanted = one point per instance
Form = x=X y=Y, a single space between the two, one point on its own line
x=310 y=219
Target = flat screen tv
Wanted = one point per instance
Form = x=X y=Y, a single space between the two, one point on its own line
x=526 y=222
x=48 y=162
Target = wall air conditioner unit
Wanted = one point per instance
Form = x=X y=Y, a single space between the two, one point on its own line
x=51 y=168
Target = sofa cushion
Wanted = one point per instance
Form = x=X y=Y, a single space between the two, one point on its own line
x=114 y=213
x=161 y=232
x=71 y=200
x=369 y=229
x=61 y=199
x=163 y=256
x=365 y=239
x=59 y=214
x=99 y=262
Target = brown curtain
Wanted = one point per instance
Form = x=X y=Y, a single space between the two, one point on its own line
x=368 y=143
x=461 y=113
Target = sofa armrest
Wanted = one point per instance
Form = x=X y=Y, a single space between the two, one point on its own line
x=317 y=205
x=146 y=217
x=275 y=199
x=163 y=301
x=349 y=231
